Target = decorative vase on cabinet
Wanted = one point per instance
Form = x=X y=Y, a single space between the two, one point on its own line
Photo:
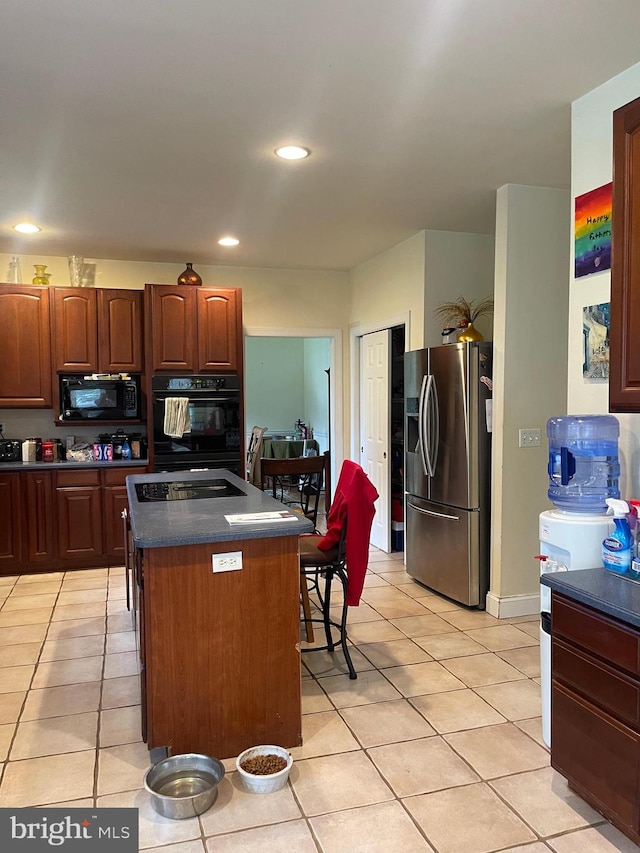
x=41 y=277
x=189 y=276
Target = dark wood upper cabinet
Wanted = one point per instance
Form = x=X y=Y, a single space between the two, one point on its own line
x=219 y=329
x=173 y=326
x=120 y=325
x=194 y=329
x=25 y=368
x=97 y=330
x=75 y=333
x=624 y=369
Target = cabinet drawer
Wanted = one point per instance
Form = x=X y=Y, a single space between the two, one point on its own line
x=598 y=755
x=616 y=693
x=605 y=637
x=86 y=477
x=116 y=476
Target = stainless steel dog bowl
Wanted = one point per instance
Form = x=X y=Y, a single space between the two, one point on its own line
x=183 y=785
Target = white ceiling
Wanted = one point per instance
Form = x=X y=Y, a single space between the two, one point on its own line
x=145 y=129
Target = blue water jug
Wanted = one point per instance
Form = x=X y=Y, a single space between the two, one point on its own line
x=583 y=462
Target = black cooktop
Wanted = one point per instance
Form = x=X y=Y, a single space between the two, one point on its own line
x=187 y=490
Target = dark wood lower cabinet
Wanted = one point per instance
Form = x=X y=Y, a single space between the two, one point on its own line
x=79 y=522
x=10 y=521
x=56 y=519
x=595 y=710
x=39 y=540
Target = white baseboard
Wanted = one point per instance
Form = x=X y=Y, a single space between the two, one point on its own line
x=513 y=605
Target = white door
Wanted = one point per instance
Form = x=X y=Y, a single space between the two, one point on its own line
x=374 y=428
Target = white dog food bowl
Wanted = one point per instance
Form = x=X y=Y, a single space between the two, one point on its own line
x=268 y=783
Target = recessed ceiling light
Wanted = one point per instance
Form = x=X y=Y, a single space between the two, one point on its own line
x=292 y=152
x=26 y=228
x=228 y=241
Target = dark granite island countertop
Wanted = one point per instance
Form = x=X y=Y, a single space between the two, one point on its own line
x=610 y=593
x=189 y=522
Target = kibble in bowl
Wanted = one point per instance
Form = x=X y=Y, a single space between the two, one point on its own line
x=264 y=769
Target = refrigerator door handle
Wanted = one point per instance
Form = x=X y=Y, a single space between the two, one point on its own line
x=433 y=514
x=428 y=424
x=421 y=432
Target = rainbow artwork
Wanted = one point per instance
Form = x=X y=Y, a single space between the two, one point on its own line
x=593 y=219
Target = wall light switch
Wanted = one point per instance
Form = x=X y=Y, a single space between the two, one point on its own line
x=229 y=562
x=529 y=438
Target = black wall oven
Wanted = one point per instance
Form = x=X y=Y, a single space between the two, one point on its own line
x=214 y=439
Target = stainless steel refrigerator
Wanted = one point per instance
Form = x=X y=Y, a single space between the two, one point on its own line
x=448 y=469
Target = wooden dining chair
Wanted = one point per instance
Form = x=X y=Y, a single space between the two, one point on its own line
x=278 y=475
x=254 y=452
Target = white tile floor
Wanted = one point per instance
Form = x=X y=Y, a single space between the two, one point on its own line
x=435 y=746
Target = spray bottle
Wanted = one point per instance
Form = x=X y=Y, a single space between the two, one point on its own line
x=634 y=524
x=617 y=547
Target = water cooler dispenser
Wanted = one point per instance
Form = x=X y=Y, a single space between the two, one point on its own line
x=583 y=472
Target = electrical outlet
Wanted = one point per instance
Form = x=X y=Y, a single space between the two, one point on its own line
x=529 y=438
x=229 y=562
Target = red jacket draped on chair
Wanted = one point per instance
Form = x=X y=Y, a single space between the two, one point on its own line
x=352 y=503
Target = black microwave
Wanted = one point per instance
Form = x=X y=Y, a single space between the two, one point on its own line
x=111 y=398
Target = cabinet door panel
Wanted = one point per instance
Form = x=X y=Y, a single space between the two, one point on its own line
x=173 y=327
x=79 y=522
x=39 y=525
x=624 y=373
x=75 y=331
x=114 y=502
x=613 y=691
x=10 y=521
x=219 y=329
x=596 y=753
x=120 y=331
x=596 y=633
x=25 y=368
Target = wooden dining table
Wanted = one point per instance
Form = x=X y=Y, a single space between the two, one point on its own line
x=283 y=448
x=287 y=448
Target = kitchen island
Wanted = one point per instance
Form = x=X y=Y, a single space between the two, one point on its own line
x=595 y=690
x=216 y=612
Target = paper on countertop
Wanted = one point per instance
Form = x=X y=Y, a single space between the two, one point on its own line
x=261 y=517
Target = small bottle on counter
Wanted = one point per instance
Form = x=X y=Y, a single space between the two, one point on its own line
x=47 y=451
x=126 y=449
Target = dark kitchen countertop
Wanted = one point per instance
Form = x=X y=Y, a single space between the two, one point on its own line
x=190 y=522
x=119 y=463
x=610 y=593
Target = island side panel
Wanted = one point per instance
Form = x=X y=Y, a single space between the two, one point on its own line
x=222 y=650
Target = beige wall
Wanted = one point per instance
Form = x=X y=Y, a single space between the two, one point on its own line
x=389 y=285
x=456 y=264
x=530 y=368
x=270 y=297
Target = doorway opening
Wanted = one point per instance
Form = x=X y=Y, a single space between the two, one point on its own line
x=378 y=377
x=296 y=374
